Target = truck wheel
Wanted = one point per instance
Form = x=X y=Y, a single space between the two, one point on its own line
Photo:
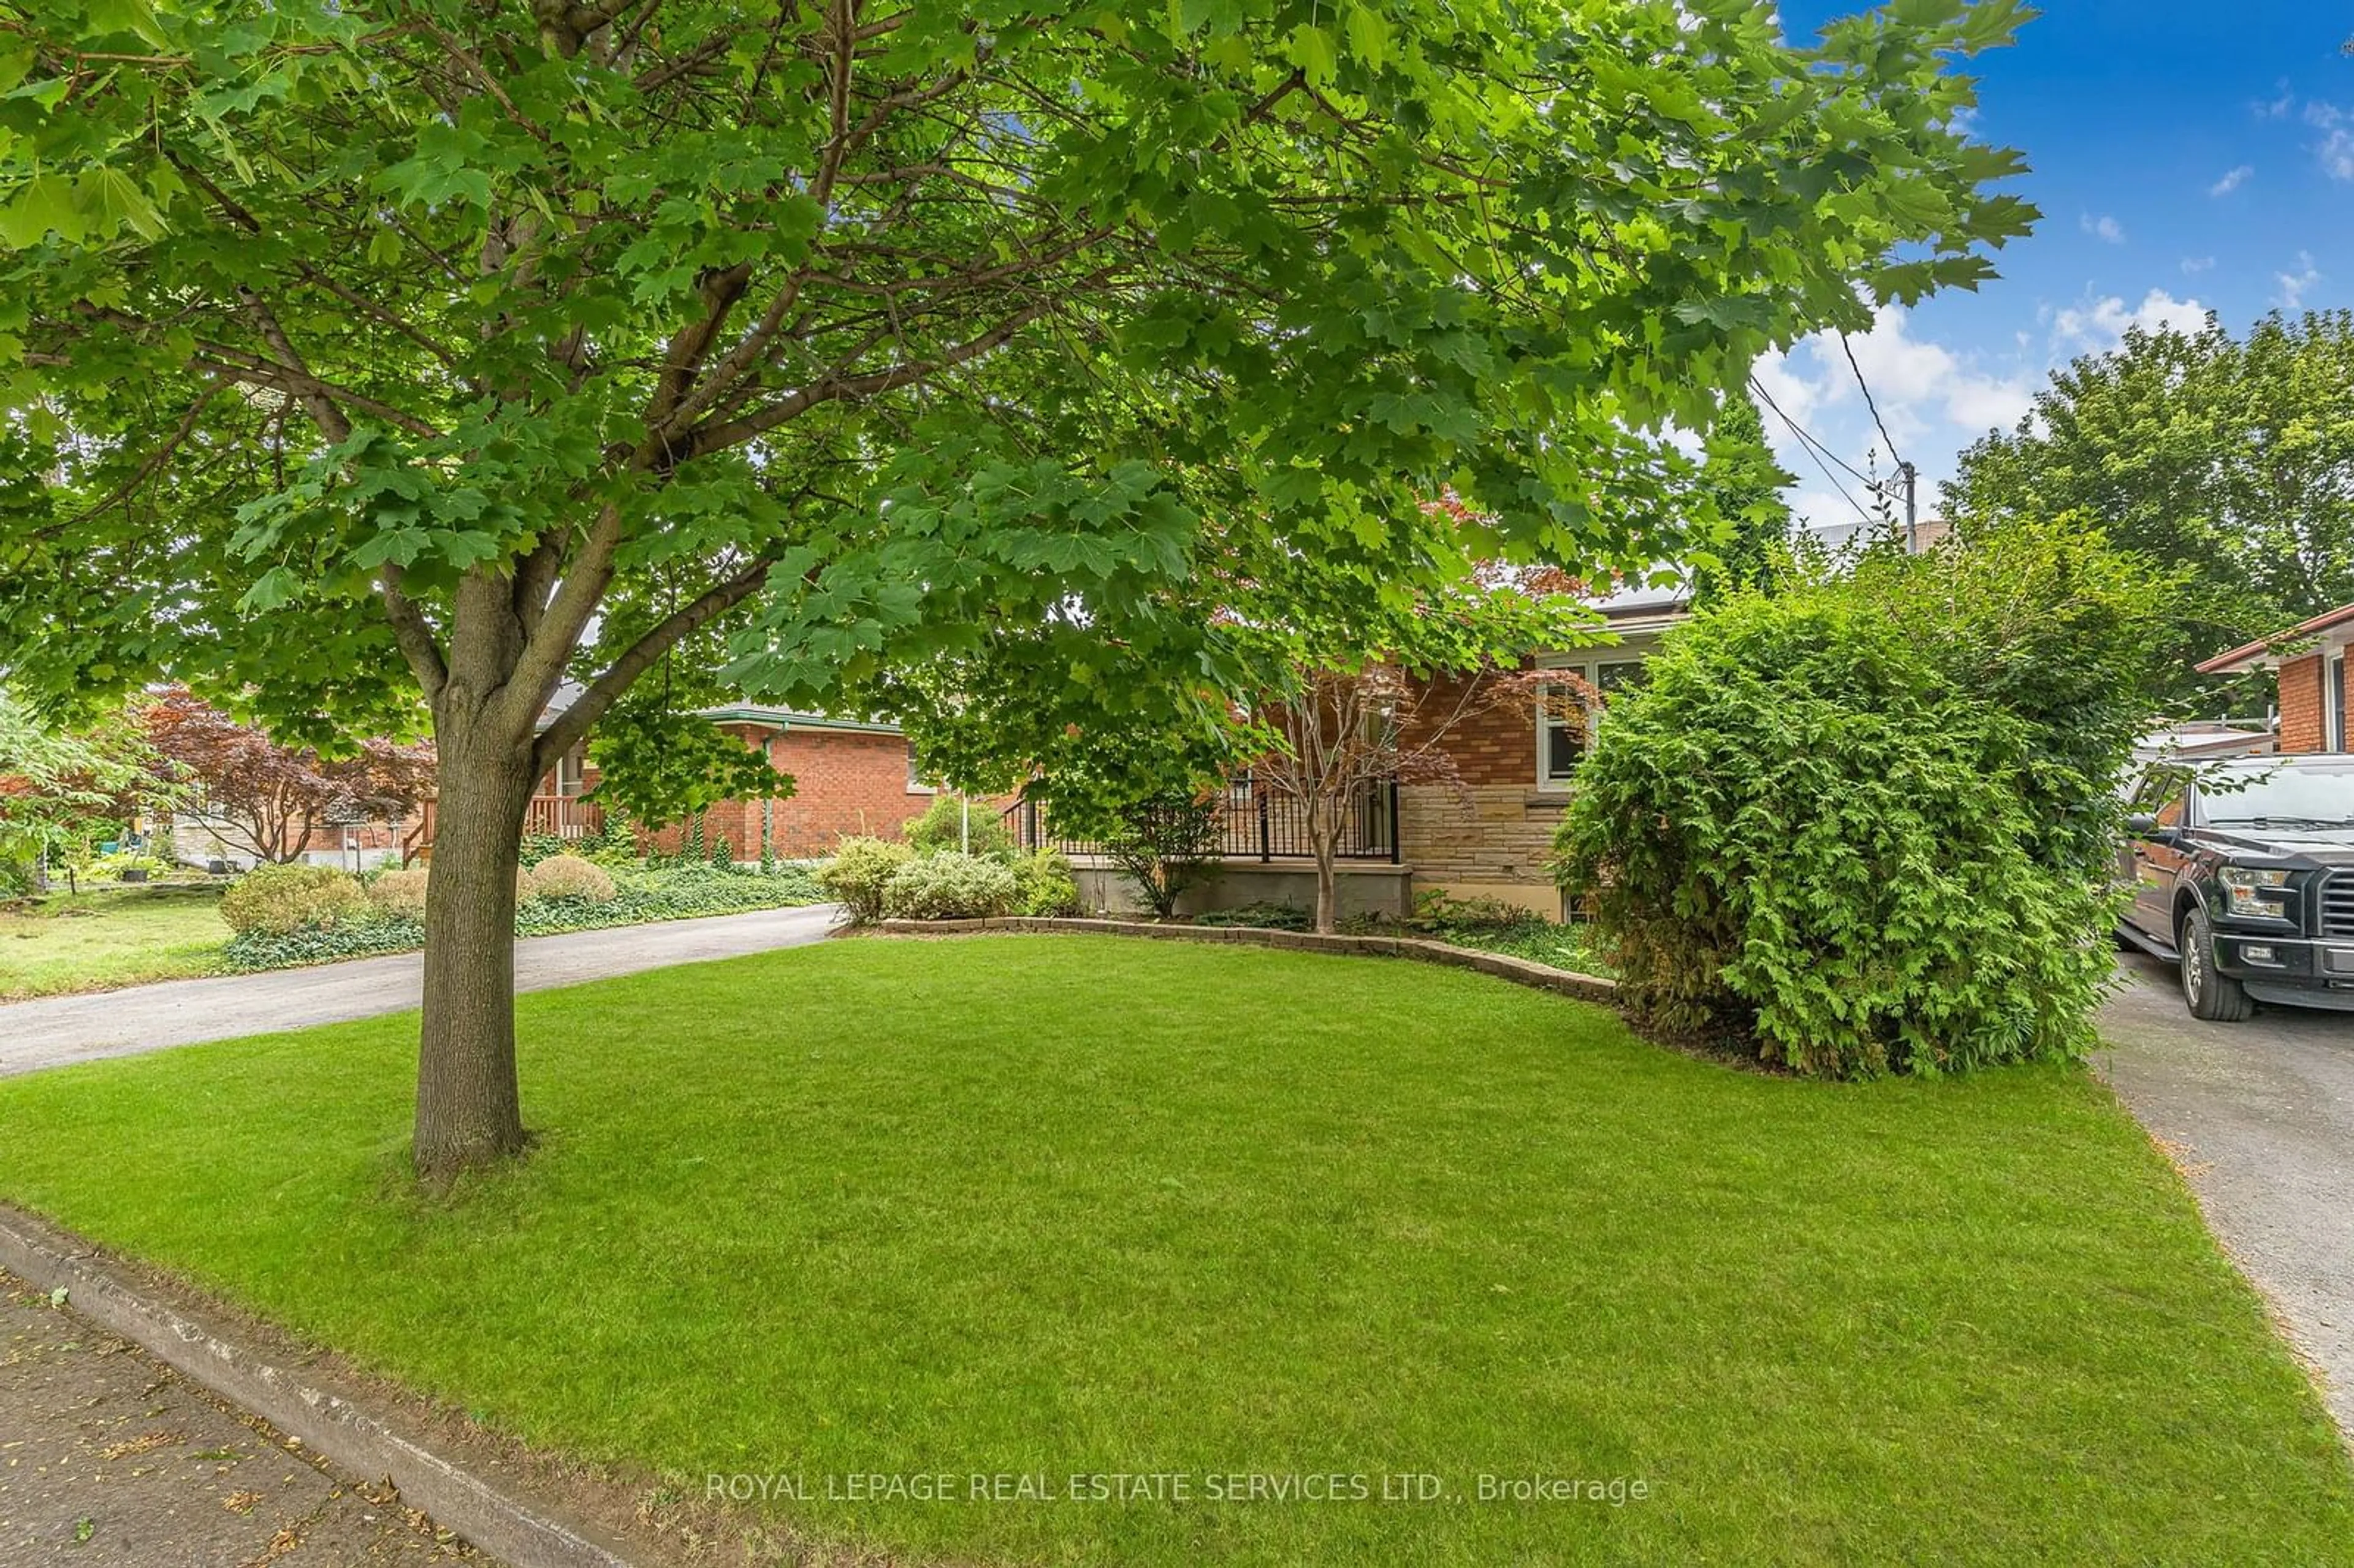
x=2212 y=996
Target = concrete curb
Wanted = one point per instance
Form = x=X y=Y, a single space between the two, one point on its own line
x=358 y=1440
x=1520 y=971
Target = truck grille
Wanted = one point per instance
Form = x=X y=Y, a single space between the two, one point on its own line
x=2337 y=905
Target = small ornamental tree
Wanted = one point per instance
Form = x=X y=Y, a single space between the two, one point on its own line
x=1347 y=730
x=373 y=355
x=272 y=801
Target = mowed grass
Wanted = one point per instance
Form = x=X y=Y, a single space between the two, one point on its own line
x=95 y=941
x=1078 y=1205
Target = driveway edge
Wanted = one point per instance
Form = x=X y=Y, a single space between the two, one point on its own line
x=1503 y=966
x=514 y=1529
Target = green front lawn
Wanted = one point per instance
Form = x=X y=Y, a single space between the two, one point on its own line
x=1048 y=1206
x=94 y=941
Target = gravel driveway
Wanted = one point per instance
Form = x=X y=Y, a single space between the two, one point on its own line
x=55 y=1031
x=2260 y=1116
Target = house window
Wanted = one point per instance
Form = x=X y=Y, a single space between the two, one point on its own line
x=568 y=771
x=2336 y=696
x=1563 y=736
x=916 y=783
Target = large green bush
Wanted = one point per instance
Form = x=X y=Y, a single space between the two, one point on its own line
x=1864 y=826
x=949 y=887
x=857 y=873
x=278 y=899
x=945 y=828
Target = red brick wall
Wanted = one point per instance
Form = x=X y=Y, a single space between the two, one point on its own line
x=845 y=781
x=2303 y=708
x=1492 y=744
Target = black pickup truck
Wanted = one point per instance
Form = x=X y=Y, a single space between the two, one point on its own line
x=2242 y=874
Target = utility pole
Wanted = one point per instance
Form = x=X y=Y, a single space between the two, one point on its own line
x=1911 y=477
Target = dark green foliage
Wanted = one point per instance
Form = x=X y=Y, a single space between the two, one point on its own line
x=1164 y=841
x=1864 y=827
x=946 y=824
x=1745 y=485
x=2230 y=459
x=1266 y=915
x=669 y=893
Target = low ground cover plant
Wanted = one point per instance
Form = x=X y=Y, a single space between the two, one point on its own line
x=557 y=894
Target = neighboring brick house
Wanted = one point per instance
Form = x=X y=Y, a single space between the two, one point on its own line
x=849 y=776
x=2310 y=659
x=1491 y=837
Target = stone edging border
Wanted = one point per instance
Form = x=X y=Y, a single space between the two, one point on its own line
x=1520 y=971
x=358 y=1439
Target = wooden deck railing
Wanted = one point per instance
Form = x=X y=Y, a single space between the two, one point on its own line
x=553 y=816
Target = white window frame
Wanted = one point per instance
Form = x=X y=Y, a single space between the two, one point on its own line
x=2333 y=699
x=1587 y=667
x=915 y=784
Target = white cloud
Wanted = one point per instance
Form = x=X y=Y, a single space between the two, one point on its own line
x=1917 y=384
x=2336 y=153
x=2294 y=286
x=2107 y=228
x=2098 y=326
x=2194 y=265
x=2231 y=181
x=2275 y=107
x=2324 y=116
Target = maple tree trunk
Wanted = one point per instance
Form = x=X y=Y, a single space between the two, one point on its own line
x=468 y=1108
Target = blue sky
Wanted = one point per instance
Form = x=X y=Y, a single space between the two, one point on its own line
x=2189 y=157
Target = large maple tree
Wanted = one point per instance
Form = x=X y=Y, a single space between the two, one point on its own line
x=368 y=356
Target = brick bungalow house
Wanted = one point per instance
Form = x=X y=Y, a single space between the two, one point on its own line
x=1489 y=837
x=2310 y=659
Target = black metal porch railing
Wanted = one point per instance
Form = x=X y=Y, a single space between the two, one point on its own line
x=1254 y=823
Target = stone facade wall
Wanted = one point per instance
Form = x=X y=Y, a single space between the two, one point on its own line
x=2303 y=709
x=1486 y=841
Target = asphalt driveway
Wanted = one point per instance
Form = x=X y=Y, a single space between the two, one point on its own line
x=55 y=1031
x=2260 y=1116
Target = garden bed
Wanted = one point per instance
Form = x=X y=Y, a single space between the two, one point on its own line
x=852 y=1216
x=640 y=895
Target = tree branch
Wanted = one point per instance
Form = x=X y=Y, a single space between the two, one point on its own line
x=413 y=632
x=606 y=689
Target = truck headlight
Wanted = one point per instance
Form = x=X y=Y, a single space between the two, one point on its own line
x=2261 y=894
